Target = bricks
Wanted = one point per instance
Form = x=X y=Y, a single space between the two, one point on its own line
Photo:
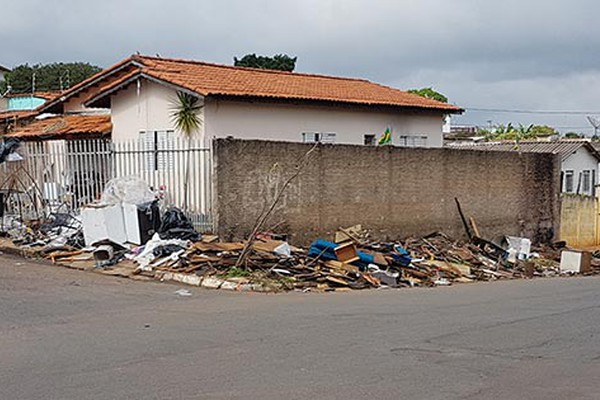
x=395 y=192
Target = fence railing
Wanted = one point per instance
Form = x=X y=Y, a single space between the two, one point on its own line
x=66 y=175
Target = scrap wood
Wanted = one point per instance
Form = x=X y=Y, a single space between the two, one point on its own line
x=354 y=233
x=337 y=265
x=336 y=280
x=63 y=254
x=371 y=279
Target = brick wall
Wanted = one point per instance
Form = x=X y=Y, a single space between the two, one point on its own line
x=394 y=192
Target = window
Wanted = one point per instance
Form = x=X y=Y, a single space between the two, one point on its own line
x=569 y=181
x=311 y=137
x=586 y=182
x=369 y=140
x=412 y=141
x=156 y=147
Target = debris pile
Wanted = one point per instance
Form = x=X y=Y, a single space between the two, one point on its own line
x=355 y=263
x=127 y=234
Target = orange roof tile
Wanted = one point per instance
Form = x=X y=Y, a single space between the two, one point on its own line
x=212 y=79
x=12 y=114
x=65 y=126
x=91 y=85
x=221 y=80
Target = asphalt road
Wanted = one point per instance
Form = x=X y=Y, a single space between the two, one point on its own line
x=68 y=334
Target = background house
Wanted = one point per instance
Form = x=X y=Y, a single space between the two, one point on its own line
x=120 y=119
x=579 y=166
x=24 y=101
x=254 y=104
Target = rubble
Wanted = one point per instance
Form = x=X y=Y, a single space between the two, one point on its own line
x=170 y=249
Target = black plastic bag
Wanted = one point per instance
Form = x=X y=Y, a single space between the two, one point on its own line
x=166 y=250
x=175 y=225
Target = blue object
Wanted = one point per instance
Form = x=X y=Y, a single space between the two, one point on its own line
x=322 y=249
x=325 y=250
x=401 y=256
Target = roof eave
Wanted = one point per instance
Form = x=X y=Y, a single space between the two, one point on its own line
x=103 y=94
x=289 y=99
x=88 y=82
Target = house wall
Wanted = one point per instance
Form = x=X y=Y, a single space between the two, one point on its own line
x=578 y=162
x=395 y=192
x=143 y=106
x=248 y=120
x=147 y=107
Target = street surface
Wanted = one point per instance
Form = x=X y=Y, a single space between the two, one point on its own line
x=68 y=334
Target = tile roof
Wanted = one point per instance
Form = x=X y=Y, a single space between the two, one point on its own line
x=66 y=125
x=564 y=147
x=16 y=114
x=4 y=69
x=92 y=85
x=211 y=79
x=221 y=80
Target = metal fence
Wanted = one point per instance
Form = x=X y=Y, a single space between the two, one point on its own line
x=65 y=175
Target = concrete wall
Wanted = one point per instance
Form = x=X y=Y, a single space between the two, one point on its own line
x=247 y=120
x=146 y=107
x=579 y=221
x=395 y=192
x=581 y=160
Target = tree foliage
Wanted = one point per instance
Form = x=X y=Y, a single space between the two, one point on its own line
x=280 y=62
x=48 y=77
x=185 y=116
x=429 y=93
x=184 y=113
x=520 y=132
x=574 y=135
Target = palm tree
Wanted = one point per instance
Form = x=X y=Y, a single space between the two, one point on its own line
x=184 y=114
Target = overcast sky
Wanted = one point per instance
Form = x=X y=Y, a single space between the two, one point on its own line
x=509 y=54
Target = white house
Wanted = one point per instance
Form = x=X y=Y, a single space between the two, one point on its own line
x=139 y=93
x=579 y=160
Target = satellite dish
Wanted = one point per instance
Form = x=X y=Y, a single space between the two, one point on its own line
x=595 y=122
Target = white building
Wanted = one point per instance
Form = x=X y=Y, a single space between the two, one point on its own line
x=579 y=160
x=248 y=103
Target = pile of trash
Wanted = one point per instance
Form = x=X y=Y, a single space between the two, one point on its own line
x=350 y=262
x=127 y=231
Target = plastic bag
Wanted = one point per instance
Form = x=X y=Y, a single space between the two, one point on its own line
x=127 y=189
x=7 y=150
x=175 y=225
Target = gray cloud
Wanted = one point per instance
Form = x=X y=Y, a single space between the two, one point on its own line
x=527 y=54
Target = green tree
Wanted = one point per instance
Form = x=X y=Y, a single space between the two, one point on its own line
x=47 y=77
x=543 y=130
x=184 y=114
x=430 y=94
x=520 y=132
x=574 y=135
x=280 y=62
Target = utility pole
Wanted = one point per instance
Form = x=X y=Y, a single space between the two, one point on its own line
x=595 y=122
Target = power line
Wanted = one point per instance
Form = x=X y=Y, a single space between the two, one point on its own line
x=545 y=112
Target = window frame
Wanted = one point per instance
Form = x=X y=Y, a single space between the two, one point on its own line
x=586 y=181
x=411 y=140
x=569 y=181
x=372 y=138
x=157 y=150
x=321 y=137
